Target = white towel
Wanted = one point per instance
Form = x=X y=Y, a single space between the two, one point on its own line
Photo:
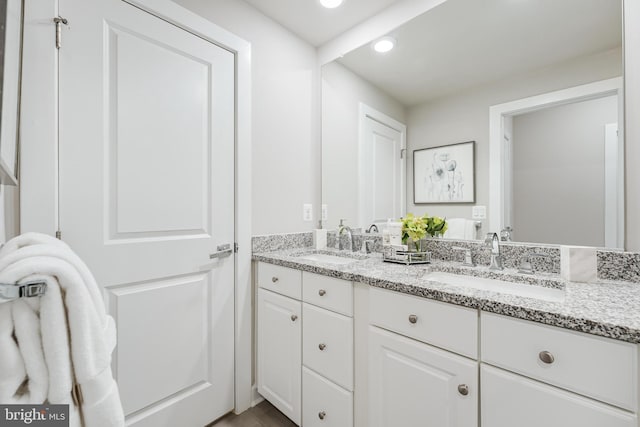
x=63 y=334
x=460 y=228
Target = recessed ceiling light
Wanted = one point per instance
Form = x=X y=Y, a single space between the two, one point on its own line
x=330 y=4
x=384 y=45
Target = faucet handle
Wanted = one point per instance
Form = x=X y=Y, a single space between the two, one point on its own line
x=468 y=260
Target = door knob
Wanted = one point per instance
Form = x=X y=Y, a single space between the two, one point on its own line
x=413 y=318
x=546 y=357
x=322 y=414
x=322 y=292
x=294 y=317
x=274 y=279
x=322 y=347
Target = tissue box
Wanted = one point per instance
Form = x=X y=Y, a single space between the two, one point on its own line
x=578 y=263
x=320 y=238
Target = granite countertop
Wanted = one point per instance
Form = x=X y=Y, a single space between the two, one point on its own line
x=606 y=308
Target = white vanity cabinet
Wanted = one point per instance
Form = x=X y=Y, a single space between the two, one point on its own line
x=279 y=336
x=535 y=375
x=414 y=383
x=305 y=345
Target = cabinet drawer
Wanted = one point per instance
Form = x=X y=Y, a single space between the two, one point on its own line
x=510 y=400
x=327 y=292
x=600 y=368
x=444 y=325
x=325 y=404
x=327 y=344
x=282 y=280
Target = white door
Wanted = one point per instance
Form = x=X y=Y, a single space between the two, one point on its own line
x=146 y=195
x=382 y=168
x=415 y=384
x=280 y=352
x=510 y=400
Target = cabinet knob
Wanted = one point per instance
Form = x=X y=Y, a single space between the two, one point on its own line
x=546 y=357
x=294 y=317
x=322 y=414
x=463 y=389
x=322 y=292
x=274 y=279
x=413 y=318
x=322 y=346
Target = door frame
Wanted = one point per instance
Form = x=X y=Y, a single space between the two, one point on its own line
x=497 y=114
x=39 y=148
x=366 y=112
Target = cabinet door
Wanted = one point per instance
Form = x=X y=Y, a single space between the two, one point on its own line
x=280 y=352
x=415 y=384
x=510 y=400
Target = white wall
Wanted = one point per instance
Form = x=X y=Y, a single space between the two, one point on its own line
x=342 y=92
x=558 y=171
x=9 y=212
x=465 y=117
x=285 y=121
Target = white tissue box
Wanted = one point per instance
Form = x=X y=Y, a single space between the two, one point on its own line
x=320 y=238
x=578 y=263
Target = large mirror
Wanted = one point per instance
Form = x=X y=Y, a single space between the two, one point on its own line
x=536 y=84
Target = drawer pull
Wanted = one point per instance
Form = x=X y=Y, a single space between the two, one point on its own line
x=322 y=292
x=274 y=279
x=463 y=389
x=322 y=414
x=413 y=318
x=546 y=357
x=294 y=317
x=322 y=346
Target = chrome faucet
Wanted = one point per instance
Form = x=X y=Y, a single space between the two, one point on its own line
x=493 y=242
x=341 y=230
x=372 y=227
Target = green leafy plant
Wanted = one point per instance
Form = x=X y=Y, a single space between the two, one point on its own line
x=416 y=228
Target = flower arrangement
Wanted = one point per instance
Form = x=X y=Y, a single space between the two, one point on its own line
x=417 y=228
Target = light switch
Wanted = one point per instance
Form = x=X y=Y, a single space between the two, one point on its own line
x=307 y=212
x=479 y=212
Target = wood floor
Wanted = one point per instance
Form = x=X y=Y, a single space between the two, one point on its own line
x=262 y=415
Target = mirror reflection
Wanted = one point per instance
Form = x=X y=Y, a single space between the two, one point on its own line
x=548 y=72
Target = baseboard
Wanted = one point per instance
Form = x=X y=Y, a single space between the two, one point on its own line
x=256 y=397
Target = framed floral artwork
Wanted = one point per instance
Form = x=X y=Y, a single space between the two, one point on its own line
x=444 y=174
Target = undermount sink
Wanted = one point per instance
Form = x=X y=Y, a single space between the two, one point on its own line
x=341 y=258
x=495 y=285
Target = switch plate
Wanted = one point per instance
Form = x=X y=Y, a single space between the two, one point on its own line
x=325 y=212
x=479 y=212
x=307 y=212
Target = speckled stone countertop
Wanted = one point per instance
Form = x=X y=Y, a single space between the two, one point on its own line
x=605 y=308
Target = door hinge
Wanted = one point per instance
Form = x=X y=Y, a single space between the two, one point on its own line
x=235 y=247
x=59 y=20
x=59 y=235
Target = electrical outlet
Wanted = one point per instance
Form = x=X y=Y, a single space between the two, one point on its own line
x=307 y=212
x=325 y=212
x=479 y=212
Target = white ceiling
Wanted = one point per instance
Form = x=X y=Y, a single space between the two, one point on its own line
x=466 y=43
x=315 y=24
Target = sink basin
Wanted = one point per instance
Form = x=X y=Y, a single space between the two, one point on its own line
x=495 y=285
x=329 y=259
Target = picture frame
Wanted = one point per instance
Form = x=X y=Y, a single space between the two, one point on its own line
x=444 y=174
x=11 y=21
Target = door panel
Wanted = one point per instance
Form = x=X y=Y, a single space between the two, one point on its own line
x=146 y=194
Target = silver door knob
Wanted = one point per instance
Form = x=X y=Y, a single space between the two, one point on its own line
x=274 y=279
x=413 y=318
x=463 y=389
x=294 y=317
x=322 y=346
x=322 y=414
x=322 y=292
x=546 y=357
